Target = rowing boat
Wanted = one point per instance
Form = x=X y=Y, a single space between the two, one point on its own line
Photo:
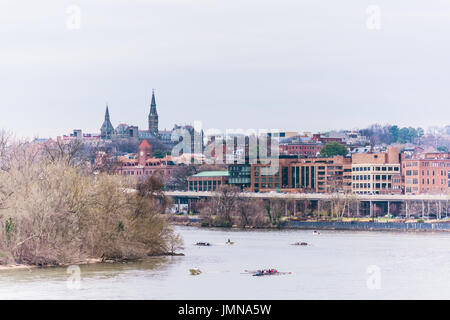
x=203 y=244
x=300 y=244
x=265 y=272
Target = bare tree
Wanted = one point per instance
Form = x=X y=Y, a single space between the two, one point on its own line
x=55 y=212
x=71 y=152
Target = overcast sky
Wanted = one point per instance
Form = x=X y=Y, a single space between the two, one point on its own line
x=286 y=64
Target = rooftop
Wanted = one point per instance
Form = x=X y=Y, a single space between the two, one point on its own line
x=144 y=144
x=212 y=174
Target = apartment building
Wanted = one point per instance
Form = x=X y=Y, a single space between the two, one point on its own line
x=426 y=173
x=377 y=173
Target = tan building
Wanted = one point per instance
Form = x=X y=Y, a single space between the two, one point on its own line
x=377 y=173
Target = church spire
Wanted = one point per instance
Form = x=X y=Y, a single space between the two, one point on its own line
x=107 y=129
x=107 y=113
x=153 y=116
x=153 y=104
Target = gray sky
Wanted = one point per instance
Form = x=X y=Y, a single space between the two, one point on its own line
x=286 y=64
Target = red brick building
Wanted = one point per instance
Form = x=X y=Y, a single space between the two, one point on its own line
x=426 y=173
x=324 y=139
x=304 y=149
x=317 y=175
x=143 y=163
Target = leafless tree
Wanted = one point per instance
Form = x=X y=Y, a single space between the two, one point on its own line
x=55 y=212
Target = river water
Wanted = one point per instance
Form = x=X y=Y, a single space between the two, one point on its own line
x=336 y=265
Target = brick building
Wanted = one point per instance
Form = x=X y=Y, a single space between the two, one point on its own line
x=376 y=173
x=320 y=175
x=305 y=149
x=426 y=173
x=143 y=163
x=323 y=138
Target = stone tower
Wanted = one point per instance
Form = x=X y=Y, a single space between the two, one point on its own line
x=107 y=129
x=153 y=117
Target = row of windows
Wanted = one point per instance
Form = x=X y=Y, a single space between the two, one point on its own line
x=239 y=180
x=427 y=181
x=427 y=164
x=303 y=147
x=433 y=172
x=203 y=182
x=269 y=179
x=266 y=171
x=374 y=177
x=384 y=168
x=139 y=173
x=148 y=164
x=424 y=190
x=268 y=185
x=204 y=185
x=370 y=185
x=239 y=168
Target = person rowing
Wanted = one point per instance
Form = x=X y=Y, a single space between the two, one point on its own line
x=205 y=244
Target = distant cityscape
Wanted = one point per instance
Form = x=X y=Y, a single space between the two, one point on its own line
x=376 y=160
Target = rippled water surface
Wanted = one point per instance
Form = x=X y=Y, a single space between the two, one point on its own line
x=334 y=266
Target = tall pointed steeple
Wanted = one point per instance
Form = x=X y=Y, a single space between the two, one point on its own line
x=153 y=116
x=107 y=129
x=107 y=113
x=153 y=104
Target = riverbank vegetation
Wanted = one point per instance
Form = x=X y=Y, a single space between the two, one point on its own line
x=229 y=208
x=54 y=210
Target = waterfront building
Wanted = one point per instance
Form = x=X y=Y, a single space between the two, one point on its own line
x=426 y=173
x=296 y=174
x=240 y=175
x=376 y=173
x=208 y=180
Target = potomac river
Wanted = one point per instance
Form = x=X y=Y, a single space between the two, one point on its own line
x=335 y=265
